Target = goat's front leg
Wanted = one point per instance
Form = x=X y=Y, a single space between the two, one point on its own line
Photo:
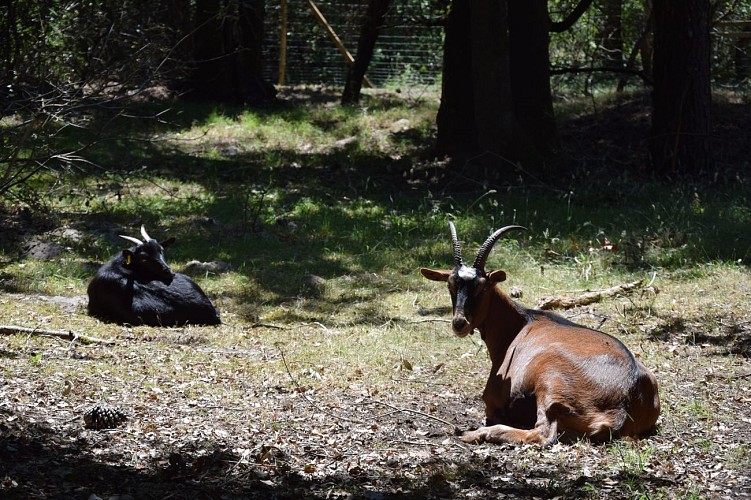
x=495 y=396
x=544 y=434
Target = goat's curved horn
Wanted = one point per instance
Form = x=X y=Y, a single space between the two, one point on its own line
x=131 y=239
x=455 y=241
x=145 y=235
x=482 y=254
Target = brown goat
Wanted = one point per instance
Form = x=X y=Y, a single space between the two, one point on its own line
x=548 y=375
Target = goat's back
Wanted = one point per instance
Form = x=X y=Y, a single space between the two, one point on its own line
x=119 y=296
x=180 y=302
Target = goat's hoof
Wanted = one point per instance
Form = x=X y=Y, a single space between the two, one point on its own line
x=473 y=437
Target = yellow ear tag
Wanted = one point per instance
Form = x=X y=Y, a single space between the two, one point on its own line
x=127 y=260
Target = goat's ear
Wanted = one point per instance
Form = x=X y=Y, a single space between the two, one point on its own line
x=434 y=275
x=167 y=242
x=127 y=257
x=497 y=276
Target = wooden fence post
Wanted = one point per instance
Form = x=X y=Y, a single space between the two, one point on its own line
x=283 y=43
x=334 y=37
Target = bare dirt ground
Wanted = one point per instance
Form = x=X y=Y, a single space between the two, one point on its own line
x=237 y=412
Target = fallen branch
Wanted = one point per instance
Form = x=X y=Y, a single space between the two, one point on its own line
x=589 y=297
x=67 y=335
x=431 y=320
x=396 y=409
x=268 y=325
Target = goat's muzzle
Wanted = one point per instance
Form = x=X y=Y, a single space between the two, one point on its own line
x=460 y=324
x=167 y=276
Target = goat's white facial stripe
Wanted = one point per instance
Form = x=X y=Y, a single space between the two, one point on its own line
x=467 y=273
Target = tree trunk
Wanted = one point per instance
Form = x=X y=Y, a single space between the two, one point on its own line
x=248 y=63
x=487 y=109
x=8 y=24
x=208 y=50
x=176 y=15
x=457 y=130
x=227 y=52
x=491 y=85
x=680 y=136
x=371 y=25
x=646 y=43
x=741 y=58
x=529 y=35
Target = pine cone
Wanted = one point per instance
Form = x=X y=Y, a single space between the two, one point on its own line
x=104 y=417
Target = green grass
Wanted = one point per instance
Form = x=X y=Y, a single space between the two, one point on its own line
x=273 y=193
x=270 y=192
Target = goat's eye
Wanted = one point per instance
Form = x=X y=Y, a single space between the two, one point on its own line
x=479 y=286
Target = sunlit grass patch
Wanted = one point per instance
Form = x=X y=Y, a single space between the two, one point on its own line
x=336 y=358
x=305 y=130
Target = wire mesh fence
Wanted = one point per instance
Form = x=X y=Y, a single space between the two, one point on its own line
x=409 y=50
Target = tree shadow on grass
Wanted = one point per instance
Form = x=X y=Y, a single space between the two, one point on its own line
x=351 y=191
x=727 y=335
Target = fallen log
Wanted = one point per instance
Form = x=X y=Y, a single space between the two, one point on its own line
x=67 y=335
x=589 y=297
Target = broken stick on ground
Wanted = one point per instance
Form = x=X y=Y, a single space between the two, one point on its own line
x=68 y=335
x=589 y=297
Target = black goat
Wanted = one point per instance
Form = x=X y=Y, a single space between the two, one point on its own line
x=137 y=287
